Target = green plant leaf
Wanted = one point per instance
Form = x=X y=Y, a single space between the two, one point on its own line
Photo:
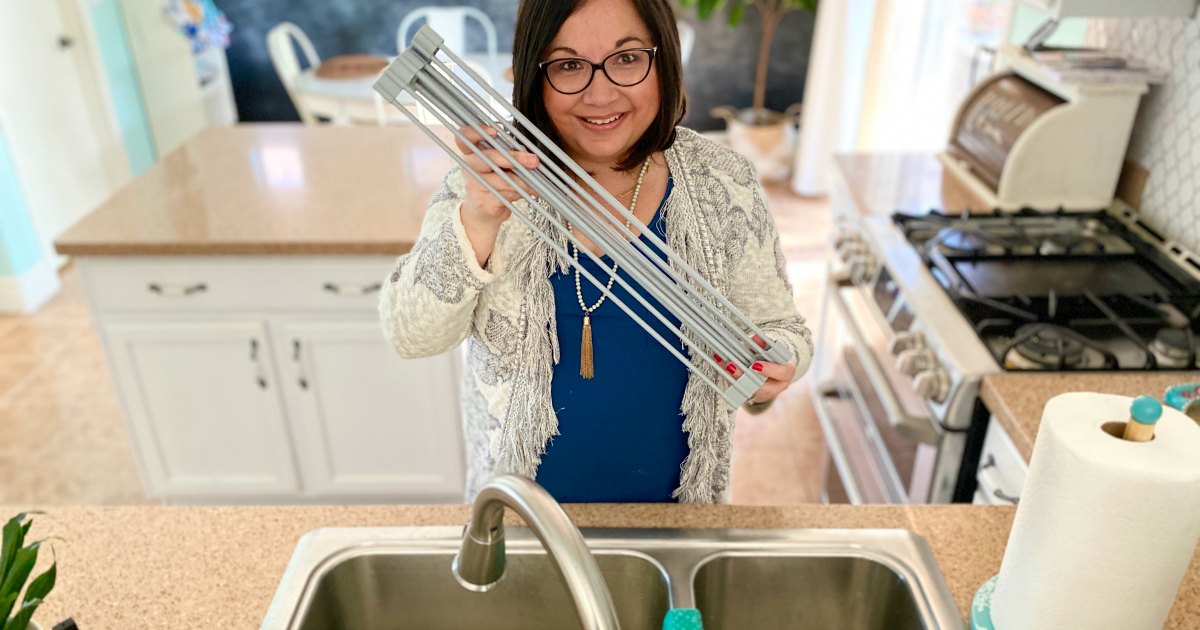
x=20 y=621
x=6 y=604
x=736 y=12
x=13 y=539
x=705 y=8
x=21 y=567
x=41 y=586
x=807 y=5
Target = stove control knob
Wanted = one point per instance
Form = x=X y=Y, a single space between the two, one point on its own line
x=905 y=341
x=849 y=250
x=933 y=384
x=913 y=361
x=846 y=238
x=862 y=267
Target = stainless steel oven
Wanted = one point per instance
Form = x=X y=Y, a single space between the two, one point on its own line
x=895 y=407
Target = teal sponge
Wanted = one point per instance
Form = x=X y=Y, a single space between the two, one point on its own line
x=683 y=619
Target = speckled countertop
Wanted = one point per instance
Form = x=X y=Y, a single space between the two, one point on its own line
x=277 y=189
x=218 y=567
x=1017 y=399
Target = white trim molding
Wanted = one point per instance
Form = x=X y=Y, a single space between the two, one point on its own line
x=28 y=291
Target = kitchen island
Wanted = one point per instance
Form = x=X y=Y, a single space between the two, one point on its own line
x=218 y=567
x=235 y=288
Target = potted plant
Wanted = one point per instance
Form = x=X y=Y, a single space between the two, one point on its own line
x=766 y=136
x=17 y=560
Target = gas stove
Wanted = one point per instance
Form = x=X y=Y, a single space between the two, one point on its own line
x=920 y=309
x=1052 y=291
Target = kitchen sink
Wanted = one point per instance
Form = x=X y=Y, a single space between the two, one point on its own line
x=397 y=578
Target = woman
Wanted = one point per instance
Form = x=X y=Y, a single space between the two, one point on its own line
x=602 y=78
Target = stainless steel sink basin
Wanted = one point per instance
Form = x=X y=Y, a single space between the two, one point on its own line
x=394 y=578
x=417 y=590
x=744 y=591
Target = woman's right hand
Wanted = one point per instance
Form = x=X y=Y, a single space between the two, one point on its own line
x=482 y=213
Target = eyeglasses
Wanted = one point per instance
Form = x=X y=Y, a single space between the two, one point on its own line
x=625 y=68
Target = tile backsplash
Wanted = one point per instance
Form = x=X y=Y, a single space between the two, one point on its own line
x=1166 y=135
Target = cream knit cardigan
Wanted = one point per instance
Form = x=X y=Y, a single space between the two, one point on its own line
x=438 y=296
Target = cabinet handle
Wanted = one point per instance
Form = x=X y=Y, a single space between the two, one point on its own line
x=990 y=462
x=158 y=289
x=352 y=289
x=999 y=494
x=301 y=380
x=262 y=380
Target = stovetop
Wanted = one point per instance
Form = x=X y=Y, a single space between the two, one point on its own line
x=1051 y=291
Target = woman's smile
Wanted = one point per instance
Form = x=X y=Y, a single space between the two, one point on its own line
x=603 y=123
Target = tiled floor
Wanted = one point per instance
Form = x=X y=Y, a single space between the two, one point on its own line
x=63 y=440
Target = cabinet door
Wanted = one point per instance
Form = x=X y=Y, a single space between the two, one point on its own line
x=368 y=424
x=205 y=414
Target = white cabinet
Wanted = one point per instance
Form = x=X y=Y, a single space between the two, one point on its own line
x=205 y=414
x=179 y=101
x=366 y=422
x=1002 y=470
x=269 y=380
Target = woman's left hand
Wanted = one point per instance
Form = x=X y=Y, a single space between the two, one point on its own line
x=779 y=377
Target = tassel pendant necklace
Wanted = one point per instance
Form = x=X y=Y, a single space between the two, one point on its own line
x=586 y=365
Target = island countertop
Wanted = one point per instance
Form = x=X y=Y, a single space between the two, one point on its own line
x=272 y=189
x=218 y=567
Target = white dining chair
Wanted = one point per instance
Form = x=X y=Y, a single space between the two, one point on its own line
x=451 y=24
x=341 y=102
x=282 y=41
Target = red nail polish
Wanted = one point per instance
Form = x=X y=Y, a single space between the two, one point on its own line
x=717 y=358
x=757 y=367
x=731 y=368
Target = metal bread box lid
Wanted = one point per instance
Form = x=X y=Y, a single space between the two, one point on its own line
x=992 y=119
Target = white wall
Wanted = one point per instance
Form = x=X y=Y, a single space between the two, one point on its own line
x=1166 y=136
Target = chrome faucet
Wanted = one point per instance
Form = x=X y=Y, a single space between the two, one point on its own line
x=479 y=564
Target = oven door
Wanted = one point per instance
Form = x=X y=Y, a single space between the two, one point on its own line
x=882 y=441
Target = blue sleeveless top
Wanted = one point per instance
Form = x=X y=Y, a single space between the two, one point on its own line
x=621 y=433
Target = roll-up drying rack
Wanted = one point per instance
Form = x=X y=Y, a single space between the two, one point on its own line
x=714 y=325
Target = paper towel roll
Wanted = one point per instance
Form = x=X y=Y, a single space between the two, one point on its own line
x=1106 y=528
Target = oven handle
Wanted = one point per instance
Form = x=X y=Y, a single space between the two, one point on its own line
x=834 y=443
x=919 y=429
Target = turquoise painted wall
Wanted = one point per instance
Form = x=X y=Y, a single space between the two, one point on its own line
x=19 y=248
x=122 y=81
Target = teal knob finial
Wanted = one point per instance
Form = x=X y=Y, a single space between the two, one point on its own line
x=1145 y=409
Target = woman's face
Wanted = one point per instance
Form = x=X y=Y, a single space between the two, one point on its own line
x=599 y=125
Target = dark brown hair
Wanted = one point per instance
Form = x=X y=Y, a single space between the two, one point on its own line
x=538 y=22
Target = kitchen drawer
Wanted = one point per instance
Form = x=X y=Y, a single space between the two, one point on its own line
x=1002 y=470
x=210 y=284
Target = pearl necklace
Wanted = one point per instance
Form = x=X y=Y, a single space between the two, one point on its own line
x=586 y=367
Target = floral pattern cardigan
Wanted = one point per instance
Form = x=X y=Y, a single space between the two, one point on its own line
x=438 y=296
